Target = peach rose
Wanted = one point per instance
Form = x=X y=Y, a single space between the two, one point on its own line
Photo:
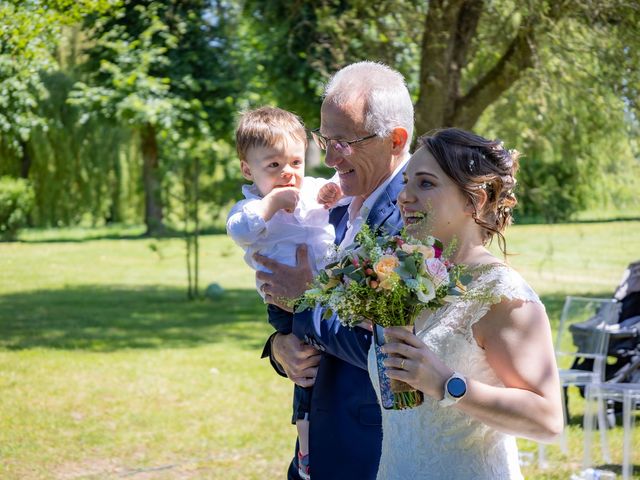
x=425 y=250
x=385 y=266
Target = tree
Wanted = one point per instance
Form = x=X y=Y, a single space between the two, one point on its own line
x=578 y=132
x=156 y=67
x=26 y=40
x=29 y=30
x=473 y=51
x=40 y=138
x=475 y=59
x=293 y=47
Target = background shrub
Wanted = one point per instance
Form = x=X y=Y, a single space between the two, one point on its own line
x=16 y=201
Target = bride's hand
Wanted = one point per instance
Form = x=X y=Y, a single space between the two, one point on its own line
x=411 y=361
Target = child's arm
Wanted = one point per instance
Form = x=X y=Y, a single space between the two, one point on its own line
x=247 y=220
x=329 y=194
x=245 y=223
x=285 y=198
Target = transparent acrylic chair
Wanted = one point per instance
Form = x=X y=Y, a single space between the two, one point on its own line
x=582 y=335
x=599 y=393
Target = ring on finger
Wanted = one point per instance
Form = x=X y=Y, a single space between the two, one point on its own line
x=402 y=364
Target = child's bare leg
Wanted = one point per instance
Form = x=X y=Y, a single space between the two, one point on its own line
x=303 y=436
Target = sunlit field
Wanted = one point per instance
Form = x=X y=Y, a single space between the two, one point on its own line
x=107 y=371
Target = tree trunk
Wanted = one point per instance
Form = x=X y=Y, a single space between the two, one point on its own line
x=439 y=70
x=151 y=181
x=25 y=162
x=450 y=28
x=196 y=229
x=115 y=207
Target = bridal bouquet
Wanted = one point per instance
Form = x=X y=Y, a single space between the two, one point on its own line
x=388 y=280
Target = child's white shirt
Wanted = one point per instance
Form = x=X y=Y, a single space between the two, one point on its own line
x=279 y=237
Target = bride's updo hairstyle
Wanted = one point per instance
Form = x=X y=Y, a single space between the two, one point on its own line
x=476 y=164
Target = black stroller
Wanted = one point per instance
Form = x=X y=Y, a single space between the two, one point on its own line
x=624 y=338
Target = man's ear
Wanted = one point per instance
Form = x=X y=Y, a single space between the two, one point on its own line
x=246 y=171
x=481 y=201
x=399 y=138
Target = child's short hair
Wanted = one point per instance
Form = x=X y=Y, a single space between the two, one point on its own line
x=267 y=127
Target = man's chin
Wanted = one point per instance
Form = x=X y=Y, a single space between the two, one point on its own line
x=348 y=189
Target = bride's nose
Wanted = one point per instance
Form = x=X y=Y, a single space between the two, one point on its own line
x=403 y=196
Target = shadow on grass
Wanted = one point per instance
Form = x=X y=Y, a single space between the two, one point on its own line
x=64 y=236
x=617 y=469
x=103 y=319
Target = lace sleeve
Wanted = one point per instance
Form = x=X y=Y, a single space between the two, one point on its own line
x=501 y=282
x=497 y=284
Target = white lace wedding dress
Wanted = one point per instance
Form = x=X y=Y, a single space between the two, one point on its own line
x=433 y=442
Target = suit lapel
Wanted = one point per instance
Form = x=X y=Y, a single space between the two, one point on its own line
x=384 y=213
x=338 y=218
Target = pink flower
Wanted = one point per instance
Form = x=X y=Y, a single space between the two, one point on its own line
x=437 y=271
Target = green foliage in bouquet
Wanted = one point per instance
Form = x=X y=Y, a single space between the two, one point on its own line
x=386 y=279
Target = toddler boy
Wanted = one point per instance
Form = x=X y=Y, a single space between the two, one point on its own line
x=281 y=210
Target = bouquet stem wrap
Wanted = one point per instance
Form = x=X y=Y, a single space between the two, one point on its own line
x=394 y=394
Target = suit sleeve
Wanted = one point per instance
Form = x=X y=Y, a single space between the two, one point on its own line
x=266 y=352
x=349 y=344
x=330 y=336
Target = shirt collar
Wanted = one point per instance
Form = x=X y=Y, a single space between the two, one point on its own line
x=251 y=192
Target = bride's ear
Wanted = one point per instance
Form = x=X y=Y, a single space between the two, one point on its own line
x=480 y=201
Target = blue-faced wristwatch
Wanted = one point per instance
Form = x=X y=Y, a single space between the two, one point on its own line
x=454 y=390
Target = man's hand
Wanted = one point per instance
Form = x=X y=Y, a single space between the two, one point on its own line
x=285 y=283
x=299 y=360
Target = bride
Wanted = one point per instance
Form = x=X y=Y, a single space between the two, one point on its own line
x=486 y=368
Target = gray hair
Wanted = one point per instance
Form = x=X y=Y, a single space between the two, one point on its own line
x=387 y=101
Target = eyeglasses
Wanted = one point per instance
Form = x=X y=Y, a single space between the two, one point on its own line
x=342 y=146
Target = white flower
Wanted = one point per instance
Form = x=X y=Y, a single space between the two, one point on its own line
x=428 y=293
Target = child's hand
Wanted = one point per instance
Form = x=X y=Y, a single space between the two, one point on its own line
x=329 y=194
x=285 y=198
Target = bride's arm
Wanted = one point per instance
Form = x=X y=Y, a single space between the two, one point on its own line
x=517 y=339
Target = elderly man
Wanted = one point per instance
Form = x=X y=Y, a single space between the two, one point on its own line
x=366 y=128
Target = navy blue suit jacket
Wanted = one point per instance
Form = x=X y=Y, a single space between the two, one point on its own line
x=346 y=433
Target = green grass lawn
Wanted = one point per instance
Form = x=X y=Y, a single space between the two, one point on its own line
x=107 y=371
